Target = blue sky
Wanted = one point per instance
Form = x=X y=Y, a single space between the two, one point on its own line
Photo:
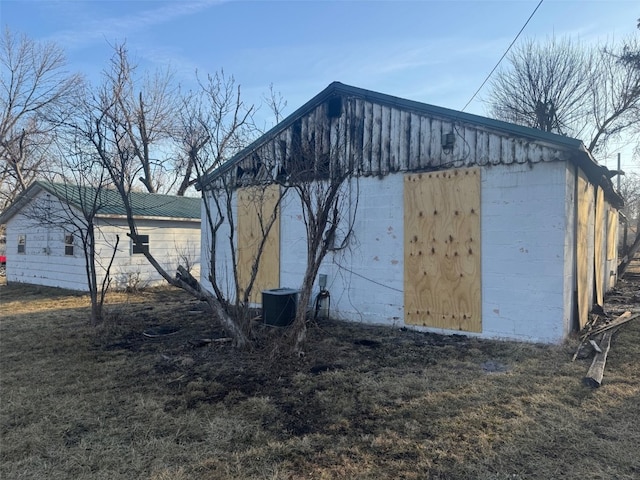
x=437 y=52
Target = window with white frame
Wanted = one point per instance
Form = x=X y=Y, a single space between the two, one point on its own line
x=142 y=245
x=68 y=244
x=22 y=243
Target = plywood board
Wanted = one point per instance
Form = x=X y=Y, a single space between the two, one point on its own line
x=612 y=235
x=599 y=251
x=442 y=278
x=256 y=205
x=584 y=247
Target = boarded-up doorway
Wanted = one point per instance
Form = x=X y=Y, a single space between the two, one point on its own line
x=256 y=205
x=442 y=277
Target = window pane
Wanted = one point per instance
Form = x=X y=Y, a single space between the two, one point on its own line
x=68 y=244
x=22 y=243
x=144 y=247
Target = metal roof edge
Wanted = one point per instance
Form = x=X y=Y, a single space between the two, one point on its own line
x=39 y=185
x=150 y=217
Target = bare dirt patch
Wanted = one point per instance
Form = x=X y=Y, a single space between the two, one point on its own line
x=158 y=392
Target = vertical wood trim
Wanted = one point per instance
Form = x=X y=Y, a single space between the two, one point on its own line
x=442 y=276
x=599 y=250
x=396 y=139
x=508 y=150
x=584 y=235
x=376 y=140
x=425 y=142
x=612 y=235
x=482 y=148
x=470 y=135
x=367 y=138
x=357 y=135
x=385 y=148
x=435 y=153
x=255 y=203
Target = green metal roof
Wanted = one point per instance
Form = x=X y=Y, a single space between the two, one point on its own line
x=109 y=202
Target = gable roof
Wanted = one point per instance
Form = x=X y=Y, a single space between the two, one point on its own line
x=109 y=203
x=580 y=155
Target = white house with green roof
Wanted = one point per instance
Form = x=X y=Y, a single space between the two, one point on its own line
x=43 y=245
x=461 y=223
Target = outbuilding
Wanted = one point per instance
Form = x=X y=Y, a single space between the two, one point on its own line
x=44 y=225
x=455 y=223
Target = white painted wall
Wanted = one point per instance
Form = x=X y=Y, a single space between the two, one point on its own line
x=570 y=317
x=171 y=242
x=221 y=249
x=366 y=280
x=527 y=237
x=528 y=252
x=45 y=263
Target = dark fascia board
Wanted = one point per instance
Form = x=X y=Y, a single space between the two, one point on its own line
x=337 y=88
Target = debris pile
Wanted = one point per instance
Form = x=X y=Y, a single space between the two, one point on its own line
x=603 y=326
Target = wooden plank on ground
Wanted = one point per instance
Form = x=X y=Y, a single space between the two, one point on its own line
x=596 y=371
x=622 y=319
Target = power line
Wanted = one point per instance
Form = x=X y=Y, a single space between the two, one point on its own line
x=503 y=55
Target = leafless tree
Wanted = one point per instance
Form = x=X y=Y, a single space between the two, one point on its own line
x=75 y=216
x=36 y=90
x=140 y=110
x=630 y=191
x=563 y=87
x=320 y=173
x=213 y=124
x=121 y=134
x=544 y=86
x=615 y=94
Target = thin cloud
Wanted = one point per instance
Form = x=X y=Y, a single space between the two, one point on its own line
x=121 y=26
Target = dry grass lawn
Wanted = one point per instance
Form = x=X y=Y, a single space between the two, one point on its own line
x=78 y=402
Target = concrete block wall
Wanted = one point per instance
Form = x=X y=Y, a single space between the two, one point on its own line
x=524 y=258
x=527 y=253
x=222 y=250
x=366 y=279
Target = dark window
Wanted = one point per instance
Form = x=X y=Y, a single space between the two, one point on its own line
x=68 y=244
x=142 y=246
x=22 y=243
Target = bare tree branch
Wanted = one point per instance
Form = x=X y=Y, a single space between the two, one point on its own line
x=35 y=96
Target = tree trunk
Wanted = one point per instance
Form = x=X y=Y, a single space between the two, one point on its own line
x=300 y=323
x=187 y=282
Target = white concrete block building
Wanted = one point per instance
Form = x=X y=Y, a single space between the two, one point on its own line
x=461 y=224
x=43 y=228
